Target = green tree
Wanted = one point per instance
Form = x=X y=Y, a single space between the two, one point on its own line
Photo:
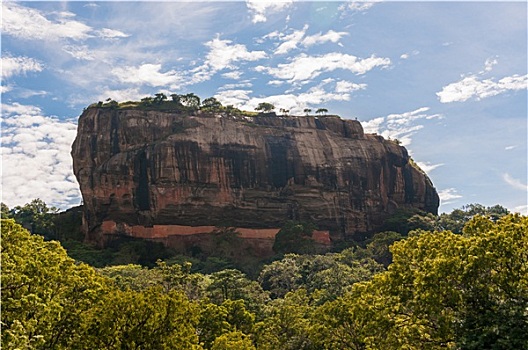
x=321 y=111
x=5 y=212
x=150 y=319
x=190 y=100
x=159 y=98
x=45 y=294
x=234 y=340
x=265 y=107
x=443 y=290
x=307 y=111
x=211 y=103
x=295 y=237
x=36 y=216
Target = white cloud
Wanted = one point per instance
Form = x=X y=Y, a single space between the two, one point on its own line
x=290 y=41
x=222 y=55
x=295 y=103
x=515 y=183
x=82 y=52
x=472 y=87
x=19 y=65
x=236 y=74
x=357 y=6
x=522 y=209
x=428 y=167
x=148 y=74
x=107 y=33
x=508 y=148
x=131 y=94
x=488 y=65
x=233 y=97
x=448 y=195
x=304 y=67
x=347 y=86
x=31 y=24
x=17 y=108
x=399 y=126
x=36 y=160
x=330 y=36
x=27 y=23
x=298 y=38
x=260 y=9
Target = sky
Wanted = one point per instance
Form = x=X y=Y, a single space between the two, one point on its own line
x=447 y=79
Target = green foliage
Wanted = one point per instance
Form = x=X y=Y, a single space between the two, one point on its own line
x=295 y=237
x=151 y=319
x=442 y=290
x=234 y=340
x=212 y=104
x=35 y=216
x=321 y=111
x=265 y=107
x=45 y=294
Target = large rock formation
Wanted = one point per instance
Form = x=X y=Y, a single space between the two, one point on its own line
x=156 y=174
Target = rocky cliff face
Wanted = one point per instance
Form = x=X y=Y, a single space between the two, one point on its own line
x=151 y=173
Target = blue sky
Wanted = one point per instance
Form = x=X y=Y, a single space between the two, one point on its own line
x=448 y=79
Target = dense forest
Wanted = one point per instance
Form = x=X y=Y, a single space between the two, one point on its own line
x=454 y=281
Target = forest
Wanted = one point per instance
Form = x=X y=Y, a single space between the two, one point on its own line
x=454 y=281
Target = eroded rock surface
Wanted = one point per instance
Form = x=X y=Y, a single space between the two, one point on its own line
x=153 y=171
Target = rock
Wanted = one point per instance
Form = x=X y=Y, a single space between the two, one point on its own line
x=148 y=173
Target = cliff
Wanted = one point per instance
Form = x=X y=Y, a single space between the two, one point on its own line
x=160 y=174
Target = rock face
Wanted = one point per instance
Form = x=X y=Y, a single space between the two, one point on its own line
x=155 y=174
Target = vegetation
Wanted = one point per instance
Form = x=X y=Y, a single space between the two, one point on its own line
x=460 y=288
x=441 y=290
x=265 y=107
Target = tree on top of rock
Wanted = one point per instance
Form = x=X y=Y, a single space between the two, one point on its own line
x=265 y=107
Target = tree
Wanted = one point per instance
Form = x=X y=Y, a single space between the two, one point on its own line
x=284 y=111
x=151 y=319
x=265 y=107
x=211 y=103
x=45 y=294
x=307 y=111
x=159 y=98
x=176 y=98
x=321 y=111
x=443 y=290
x=190 y=100
x=146 y=101
x=295 y=237
x=36 y=216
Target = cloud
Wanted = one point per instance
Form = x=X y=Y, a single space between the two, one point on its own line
x=347 y=86
x=304 y=67
x=290 y=41
x=149 y=74
x=522 y=209
x=82 y=52
x=106 y=33
x=261 y=9
x=508 y=148
x=515 y=183
x=298 y=38
x=473 y=87
x=448 y=195
x=121 y=95
x=295 y=103
x=236 y=74
x=30 y=24
x=36 y=160
x=223 y=55
x=488 y=65
x=19 y=65
x=357 y=6
x=399 y=126
x=233 y=97
x=427 y=167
